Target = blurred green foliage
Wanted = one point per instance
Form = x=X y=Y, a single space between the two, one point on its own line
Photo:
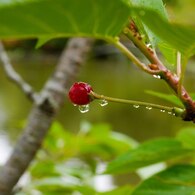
x=68 y=162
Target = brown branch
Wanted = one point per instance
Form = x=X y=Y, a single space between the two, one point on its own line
x=42 y=114
x=14 y=76
x=163 y=72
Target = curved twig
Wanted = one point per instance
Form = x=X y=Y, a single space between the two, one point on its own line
x=14 y=76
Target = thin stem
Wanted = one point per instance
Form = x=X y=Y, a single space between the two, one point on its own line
x=149 y=53
x=14 y=76
x=132 y=57
x=174 y=110
x=171 y=79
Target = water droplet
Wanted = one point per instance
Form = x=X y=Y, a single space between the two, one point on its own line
x=84 y=108
x=170 y=113
x=74 y=104
x=103 y=103
x=162 y=110
x=157 y=76
x=136 y=106
x=174 y=114
x=148 y=107
x=183 y=93
x=149 y=45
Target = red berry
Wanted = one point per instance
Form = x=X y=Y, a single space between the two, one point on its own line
x=79 y=93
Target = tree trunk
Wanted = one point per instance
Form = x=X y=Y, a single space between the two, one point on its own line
x=42 y=115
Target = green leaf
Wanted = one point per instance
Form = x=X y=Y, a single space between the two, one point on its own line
x=192 y=95
x=85 y=190
x=177 y=180
x=146 y=154
x=42 y=41
x=41 y=169
x=61 y=185
x=57 y=138
x=124 y=190
x=56 y=183
x=168 y=97
x=103 y=133
x=97 y=139
x=104 y=142
x=168 y=52
x=62 y=18
x=155 y=5
x=187 y=136
x=180 y=37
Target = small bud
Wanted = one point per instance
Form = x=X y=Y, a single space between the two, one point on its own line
x=153 y=67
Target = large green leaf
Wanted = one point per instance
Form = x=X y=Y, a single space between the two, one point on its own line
x=95 y=18
x=157 y=6
x=168 y=52
x=59 y=18
x=179 y=37
x=61 y=186
x=177 y=180
x=148 y=153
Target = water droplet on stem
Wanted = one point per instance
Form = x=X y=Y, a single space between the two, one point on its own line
x=136 y=106
x=162 y=110
x=103 y=103
x=157 y=76
x=84 y=108
x=149 y=45
x=148 y=107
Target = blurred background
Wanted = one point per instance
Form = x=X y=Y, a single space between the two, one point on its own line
x=108 y=72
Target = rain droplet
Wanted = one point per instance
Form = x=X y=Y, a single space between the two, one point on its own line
x=103 y=103
x=148 y=107
x=170 y=113
x=174 y=114
x=84 y=108
x=149 y=45
x=157 y=76
x=183 y=93
x=162 y=110
x=136 y=106
x=74 y=104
